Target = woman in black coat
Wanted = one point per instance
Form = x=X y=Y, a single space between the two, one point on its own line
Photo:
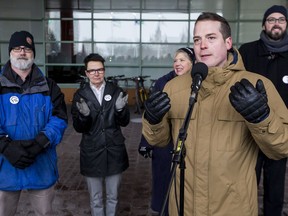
x=162 y=157
x=99 y=110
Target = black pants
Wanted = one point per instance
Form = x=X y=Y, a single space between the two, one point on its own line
x=273 y=183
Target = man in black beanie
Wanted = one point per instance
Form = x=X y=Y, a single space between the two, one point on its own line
x=268 y=56
x=33 y=119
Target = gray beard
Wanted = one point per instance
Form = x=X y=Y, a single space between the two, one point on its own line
x=21 y=63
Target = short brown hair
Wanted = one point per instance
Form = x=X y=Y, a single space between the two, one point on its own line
x=225 y=27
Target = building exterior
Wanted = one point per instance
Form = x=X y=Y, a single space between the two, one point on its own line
x=136 y=37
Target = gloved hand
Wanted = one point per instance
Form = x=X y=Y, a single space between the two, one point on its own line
x=4 y=141
x=249 y=101
x=145 y=151
x=15 y=153
x=36 y=146
x=121 y=101
x=83 y=107
x=156 y=106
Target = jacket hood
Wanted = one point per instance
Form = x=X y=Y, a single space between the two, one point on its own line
x=217 y=76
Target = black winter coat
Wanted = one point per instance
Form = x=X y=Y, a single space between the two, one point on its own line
x=102 y=147
x=274 y=66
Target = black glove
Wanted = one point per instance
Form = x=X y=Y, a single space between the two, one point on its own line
x=15 y=153
x=145 y=151
x=156 y=106
x=4 y=141
x=36 y=146
x=249 y=101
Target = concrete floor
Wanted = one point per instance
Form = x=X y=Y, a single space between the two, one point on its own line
x=71 y=191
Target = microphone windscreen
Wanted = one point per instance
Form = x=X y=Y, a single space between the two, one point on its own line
x=201 y=69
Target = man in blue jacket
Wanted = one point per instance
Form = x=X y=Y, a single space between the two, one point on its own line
x=33 y=119
x=268 y=56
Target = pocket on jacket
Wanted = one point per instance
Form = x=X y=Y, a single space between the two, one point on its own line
x=39 y=114
x=232 y=130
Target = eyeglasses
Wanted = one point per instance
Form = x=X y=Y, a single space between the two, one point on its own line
x=93 y=71
x=273 y=20
x=19 y=49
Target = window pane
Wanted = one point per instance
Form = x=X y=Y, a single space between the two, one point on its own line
x=81 y=30
x=116 y=15
x=67 y=52
x=53 y=31
x=4 y=54
x=165 y=16
x=21 y=9
x=167 y=4
x=66 y=74
x=68 y=4
x=226 y=7
x=9 y=27
x=158 y=31
x=117 y=4
x=157 y=54
x=116 y=31
x=40 y=54
x=249 y=31
x=120 y=54
x=233 y=26
x=254 y=10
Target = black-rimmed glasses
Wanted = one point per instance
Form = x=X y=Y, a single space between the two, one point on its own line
x=273 y=20
x=19 y=49
x=94 y=71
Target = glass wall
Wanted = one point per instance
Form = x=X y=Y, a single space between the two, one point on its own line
x=136 y=37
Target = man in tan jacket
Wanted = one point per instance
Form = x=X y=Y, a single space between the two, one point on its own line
x=236 y=113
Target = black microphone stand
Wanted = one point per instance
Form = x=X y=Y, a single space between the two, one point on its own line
x=179 y=155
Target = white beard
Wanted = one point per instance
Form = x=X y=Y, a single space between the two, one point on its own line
x=21 y=63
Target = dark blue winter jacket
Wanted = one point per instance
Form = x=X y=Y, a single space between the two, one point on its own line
x=24 y=113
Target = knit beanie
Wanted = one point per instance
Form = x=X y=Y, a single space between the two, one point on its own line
x=21 y=38
x=274 y=9
x=190 y=53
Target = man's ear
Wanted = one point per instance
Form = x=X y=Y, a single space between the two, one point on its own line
x=228 y=42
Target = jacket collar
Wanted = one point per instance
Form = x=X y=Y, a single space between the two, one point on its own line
x=38 y=83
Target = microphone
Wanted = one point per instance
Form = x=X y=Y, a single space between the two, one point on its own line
x=199 y=73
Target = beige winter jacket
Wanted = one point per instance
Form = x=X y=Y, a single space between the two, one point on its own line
x=221 y=146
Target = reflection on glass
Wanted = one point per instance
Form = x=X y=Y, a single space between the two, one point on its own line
x=123 y=54
x=164 y=31
x=249 y=31
x=117 y=4
x=117 y=15
x=159 y=54
x=53 y=31
x=165 y=16
x=117 y=31
x=81 y=30
x=167 y=4
x=66 y=74
x=67 y=52
x=28 y=9
x=7 y=27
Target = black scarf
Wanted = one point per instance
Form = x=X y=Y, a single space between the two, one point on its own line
x=275 y=46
